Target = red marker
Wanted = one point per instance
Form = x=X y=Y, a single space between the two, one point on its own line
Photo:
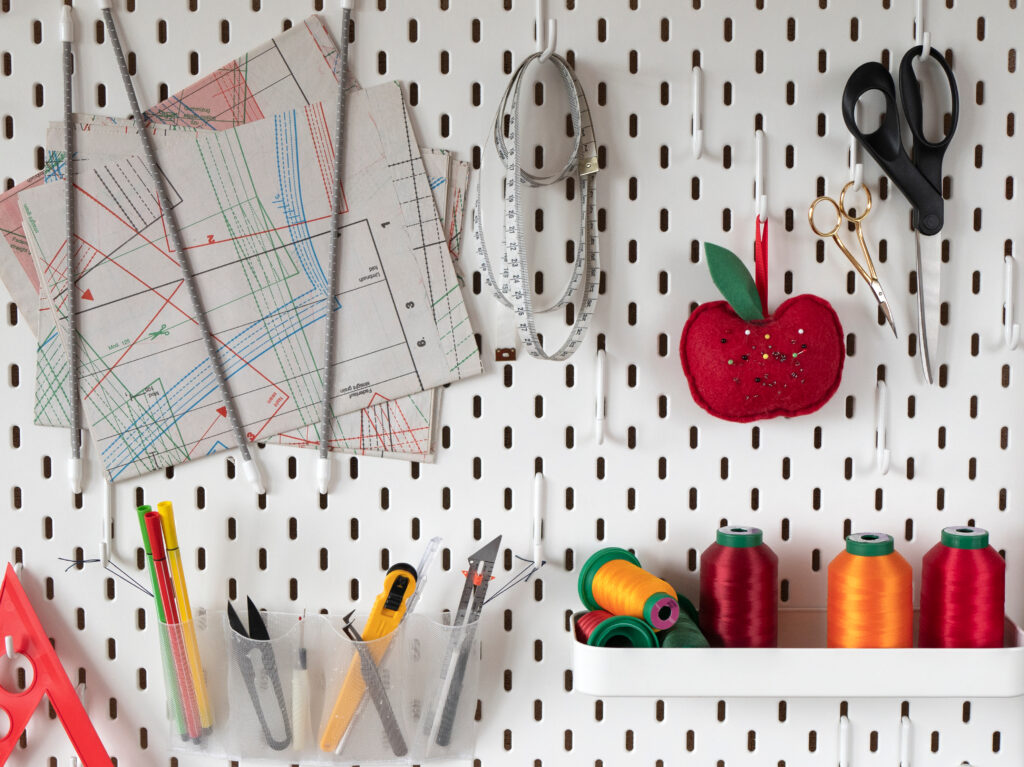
x=166 y=586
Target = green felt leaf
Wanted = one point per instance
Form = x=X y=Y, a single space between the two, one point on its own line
x=733 y=280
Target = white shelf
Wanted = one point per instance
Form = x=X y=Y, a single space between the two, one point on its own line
x=801 y=667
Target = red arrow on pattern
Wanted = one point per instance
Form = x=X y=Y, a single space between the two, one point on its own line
x=87 y=295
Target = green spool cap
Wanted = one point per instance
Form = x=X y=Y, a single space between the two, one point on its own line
x=870 y=544
x=622 y=631
x=739 y=537
x=596 y=561
x=965 y=537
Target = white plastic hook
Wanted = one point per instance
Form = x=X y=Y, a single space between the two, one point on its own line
x=856 y=166
x=600 y=395
x=760 y=198
x=843 y=746
x=882 y=455
x=538 y=519
x=905 y=741
x=923 y=38
x=108 y=522
x=545 y=43
x=9 y=647
x=698 y=118
x=1011 y=329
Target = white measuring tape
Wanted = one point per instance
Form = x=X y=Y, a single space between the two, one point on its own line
x=511 y=284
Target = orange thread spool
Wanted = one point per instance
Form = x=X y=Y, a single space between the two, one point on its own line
x=611 y=579
x=870 y=595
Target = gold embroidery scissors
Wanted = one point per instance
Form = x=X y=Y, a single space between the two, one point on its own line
x=866 y=270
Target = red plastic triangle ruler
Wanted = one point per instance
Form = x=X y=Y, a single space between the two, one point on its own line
x=19 y=621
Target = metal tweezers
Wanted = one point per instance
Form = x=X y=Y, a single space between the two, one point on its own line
x=258 y=633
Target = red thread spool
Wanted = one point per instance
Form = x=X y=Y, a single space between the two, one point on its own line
x=587 y=622
x=739 y=592
x=963 y=588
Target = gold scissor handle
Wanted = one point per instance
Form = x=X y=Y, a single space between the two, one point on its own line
x=842 y=203
x=839 y=217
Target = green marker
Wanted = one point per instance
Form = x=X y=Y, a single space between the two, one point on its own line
x=165 y=647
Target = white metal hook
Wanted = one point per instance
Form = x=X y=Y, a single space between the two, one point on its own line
x=856 y=166
x=600 y=395
x=538 y=519
x=923 y=38
x=545 y=43
x=698 y=118
x=883 y=457
x=760 y=198
x=9 y=647
x=905 y=741
x=1011 y=329
x=843 y=757
x=108 y=522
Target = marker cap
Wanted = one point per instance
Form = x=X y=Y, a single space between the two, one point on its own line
x=166 y=511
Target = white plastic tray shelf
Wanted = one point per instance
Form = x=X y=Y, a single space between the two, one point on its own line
x=801 y=666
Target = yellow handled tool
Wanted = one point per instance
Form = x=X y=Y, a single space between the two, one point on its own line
x=388 y=610
x=166 y=511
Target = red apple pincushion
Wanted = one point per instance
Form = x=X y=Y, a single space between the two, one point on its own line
x=744 y=364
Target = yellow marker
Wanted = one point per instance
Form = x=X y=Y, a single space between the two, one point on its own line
x=388 y=610
x=166 y=511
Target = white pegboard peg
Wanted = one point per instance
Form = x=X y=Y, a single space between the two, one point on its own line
x=545 y=42
x=67 y=25
x=923 y=38
x=843 y=745
x=698 y=118
x=760 y=198
x=856 y=166
x=107 y=534
x=1011 y=329
x=538 y=519
x=600 y=395
x=323 y=474
x=905 y=741
x=883 y=457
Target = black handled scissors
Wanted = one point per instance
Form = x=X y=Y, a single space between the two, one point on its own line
x=258 y=632
x=918 y=175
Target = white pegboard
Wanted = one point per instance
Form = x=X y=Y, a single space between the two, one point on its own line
x=667 y=474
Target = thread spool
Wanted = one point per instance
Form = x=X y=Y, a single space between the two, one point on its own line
x=612 y=580
x=599 y=628
x=963 y=590
x=870 y=594
x=739 y=592
x=686 y=632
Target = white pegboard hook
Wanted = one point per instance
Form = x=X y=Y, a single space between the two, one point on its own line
x=538 y=519
x=545 y=42
x=923 y=38
x=1011 y=329
x=600 y=395
x=905 y=741
x=843 y=744
x=9 y=647
x=856 y=166
x=698 y=118
x=760 y=198
x=883 y=457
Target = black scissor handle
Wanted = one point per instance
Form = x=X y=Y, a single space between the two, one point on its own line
x=927 y=154
x=886 y=146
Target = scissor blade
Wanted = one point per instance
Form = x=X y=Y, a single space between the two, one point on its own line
x=929 y=300
x=884 y=306
x=235 y=622
x=257 y=627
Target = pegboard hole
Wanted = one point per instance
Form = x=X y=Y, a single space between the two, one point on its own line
x=16 y=674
